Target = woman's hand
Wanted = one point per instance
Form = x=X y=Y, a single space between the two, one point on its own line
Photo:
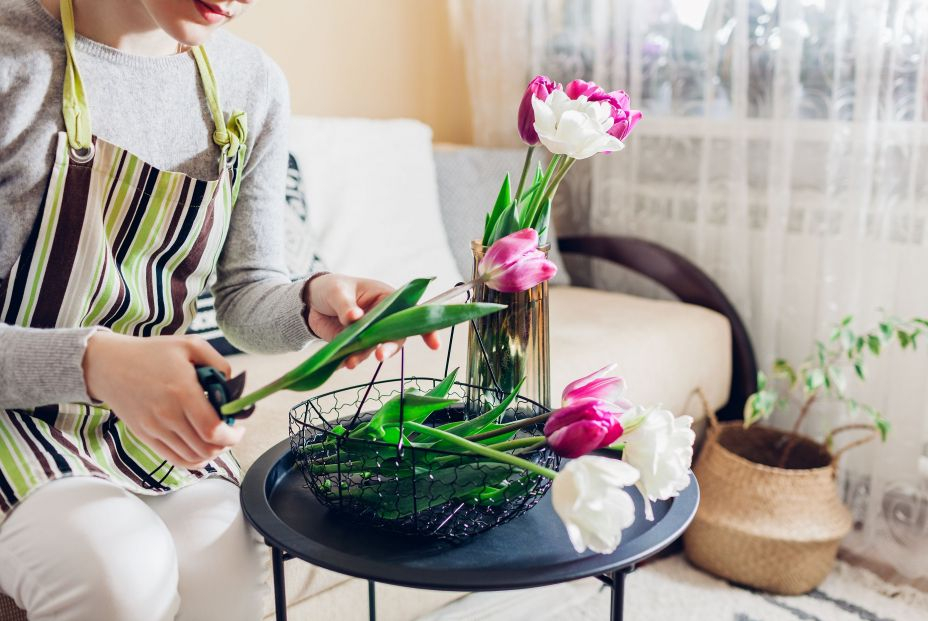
x=335 y=301
x=151 y=385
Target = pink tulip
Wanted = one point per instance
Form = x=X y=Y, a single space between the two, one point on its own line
x=597 y=386
x=514 y=263
x=624 y=118
x=540 y=87
x=582 y=426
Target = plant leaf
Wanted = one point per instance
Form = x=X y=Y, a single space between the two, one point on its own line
x=442 y=389
x=886 y=331
x=785 y=369
x=507 y=223
x=415 y=408
x=420 y=320
x=882 y=426
x=480 y=423
x=317 y=378
x=540 y=222
x=435 y=320
x=503 y=200
x=859 y=369
x=815 y=379
x=401 y=299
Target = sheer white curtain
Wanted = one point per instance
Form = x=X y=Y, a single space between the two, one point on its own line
x=784 y=149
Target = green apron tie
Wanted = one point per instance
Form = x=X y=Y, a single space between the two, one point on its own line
x=74 y=102
x=229 y=136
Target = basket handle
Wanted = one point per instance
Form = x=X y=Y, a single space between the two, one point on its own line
x=870 y=437
x=706 y=410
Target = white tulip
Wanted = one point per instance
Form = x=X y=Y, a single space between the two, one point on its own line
x=660 y=446
x=574 y=127
x=588 y=497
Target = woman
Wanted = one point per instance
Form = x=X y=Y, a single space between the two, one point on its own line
x=118 y=500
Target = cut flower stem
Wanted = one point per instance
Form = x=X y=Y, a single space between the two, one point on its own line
x=480 y=449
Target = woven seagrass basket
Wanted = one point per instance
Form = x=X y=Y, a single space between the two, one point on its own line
x=772 y=528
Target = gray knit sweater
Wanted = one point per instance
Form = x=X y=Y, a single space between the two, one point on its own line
x=154 y=107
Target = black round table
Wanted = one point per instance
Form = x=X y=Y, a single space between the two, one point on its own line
x=530 y=551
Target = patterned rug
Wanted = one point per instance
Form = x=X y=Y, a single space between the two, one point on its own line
x=673 y=590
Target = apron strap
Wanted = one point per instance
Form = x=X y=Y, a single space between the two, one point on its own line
x=231 y=135
x=73 y=102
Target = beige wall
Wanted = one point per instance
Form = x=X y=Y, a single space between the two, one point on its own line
x=370 y=58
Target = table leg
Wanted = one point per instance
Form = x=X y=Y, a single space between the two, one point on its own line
x=280 y=589
x=618 y=594
x=371 y=600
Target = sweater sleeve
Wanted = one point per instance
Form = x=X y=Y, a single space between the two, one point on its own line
x=258 y=308
x=37 y=367
x=41 y=367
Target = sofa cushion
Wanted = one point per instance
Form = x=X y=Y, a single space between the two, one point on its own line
x=374 y=198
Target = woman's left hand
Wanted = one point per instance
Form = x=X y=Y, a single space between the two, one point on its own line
x=335 y=301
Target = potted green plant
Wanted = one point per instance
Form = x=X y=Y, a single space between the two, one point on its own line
x=770 y=515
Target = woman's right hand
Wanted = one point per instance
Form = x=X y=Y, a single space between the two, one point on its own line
x=151 y=385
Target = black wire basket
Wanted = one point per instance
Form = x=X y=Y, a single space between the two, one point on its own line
x=447 y=494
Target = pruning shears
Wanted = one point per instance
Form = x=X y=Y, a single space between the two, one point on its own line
x=221 y=391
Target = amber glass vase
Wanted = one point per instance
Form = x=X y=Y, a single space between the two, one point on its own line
x=504 y=347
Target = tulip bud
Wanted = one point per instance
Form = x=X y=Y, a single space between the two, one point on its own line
x=583 y=426
x=514 y=263
x=540 y=87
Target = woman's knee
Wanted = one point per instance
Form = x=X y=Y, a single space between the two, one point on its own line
x=86 y=549
x=222 y=563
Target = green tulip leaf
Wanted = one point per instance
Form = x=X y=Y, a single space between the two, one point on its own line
x=415 y=408
x=401 y=299
x=442 y=389
x=395 y=318
x=503 y=200
x=480 y=424
x=317 y=378
x=420 y=320
x=507 y=223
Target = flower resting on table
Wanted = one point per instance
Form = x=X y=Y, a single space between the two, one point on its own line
x=660 y=446
x=587 y=495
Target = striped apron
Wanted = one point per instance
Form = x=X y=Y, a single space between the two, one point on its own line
x=121 y=244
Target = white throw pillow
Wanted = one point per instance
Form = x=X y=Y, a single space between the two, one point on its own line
x=374 y=197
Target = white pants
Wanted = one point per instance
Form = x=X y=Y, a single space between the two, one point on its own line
x=84 y=549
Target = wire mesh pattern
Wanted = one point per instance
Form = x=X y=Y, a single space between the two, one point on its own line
x=437 y=492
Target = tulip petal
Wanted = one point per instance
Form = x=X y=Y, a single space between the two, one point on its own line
x=508 y=250
x=581 y=427
x=524 y=276
x=577 y=439
x=540 y=87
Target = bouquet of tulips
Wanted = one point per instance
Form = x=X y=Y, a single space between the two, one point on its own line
x=572 y=123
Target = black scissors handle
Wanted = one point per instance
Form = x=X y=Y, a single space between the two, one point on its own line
x=221 y=391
